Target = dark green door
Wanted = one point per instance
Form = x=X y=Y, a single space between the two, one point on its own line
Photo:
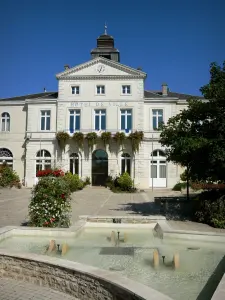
x=99 y=167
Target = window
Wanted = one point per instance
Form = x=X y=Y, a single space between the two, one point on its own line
x=126 y=90
x=74 y=122
x=75 y=90
x=74 y=163
x=5 y=120
x=125 y=163
x=43 y=160
x=100 y=119
x=126 y=120
x=6 y=157
x=157 y=118
x=100 y=90
x=45 y=119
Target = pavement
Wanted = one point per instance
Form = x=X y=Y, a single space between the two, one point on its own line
x=90 y=201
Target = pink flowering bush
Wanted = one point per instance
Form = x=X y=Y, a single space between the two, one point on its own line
x=50 y=205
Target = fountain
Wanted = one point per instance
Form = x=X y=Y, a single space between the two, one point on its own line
x=134 y=251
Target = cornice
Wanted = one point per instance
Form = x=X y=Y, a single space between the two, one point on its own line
x=39 y=100
x=101 y=77
x=13 y=102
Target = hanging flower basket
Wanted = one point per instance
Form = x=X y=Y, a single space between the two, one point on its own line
x=106 y=137
x=62 y=138
x=91 y=138
x=136 y=138
x=78 y=137
x=120 y=138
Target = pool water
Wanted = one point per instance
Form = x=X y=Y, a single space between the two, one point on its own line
x=199 y=262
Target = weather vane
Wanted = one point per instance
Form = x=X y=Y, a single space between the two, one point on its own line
x=105 y=28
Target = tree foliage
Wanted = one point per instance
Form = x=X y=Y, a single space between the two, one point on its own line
x=195 y=138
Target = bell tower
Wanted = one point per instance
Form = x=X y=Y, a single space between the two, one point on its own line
x=105 y=47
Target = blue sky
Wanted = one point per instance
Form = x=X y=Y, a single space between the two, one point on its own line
x=173 y=41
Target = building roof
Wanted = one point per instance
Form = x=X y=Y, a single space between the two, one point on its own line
x=45 y=95
x=147 y=94
x=158 y=94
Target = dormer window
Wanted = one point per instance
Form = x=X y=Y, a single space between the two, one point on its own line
x=75 y=90
x=100 y=90
x=126 y=90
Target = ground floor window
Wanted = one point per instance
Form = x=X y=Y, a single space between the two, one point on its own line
x=125 y=163
x=74 y=163
x=43 y=160
x=6 y=157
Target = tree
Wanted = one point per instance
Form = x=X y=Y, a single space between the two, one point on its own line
x=195 y=138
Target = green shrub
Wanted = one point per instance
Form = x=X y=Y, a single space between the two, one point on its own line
x=125 y=182
x=74 y=182
x=50 y=205
x=183 y=185
x=210 y=208
x=179 y=186
x=87 y=181
x=8 y=177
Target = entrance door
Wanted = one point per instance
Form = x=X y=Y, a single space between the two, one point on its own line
x=99 y=167
x=158 y=169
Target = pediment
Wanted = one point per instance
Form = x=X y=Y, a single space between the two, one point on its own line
x=100 y=67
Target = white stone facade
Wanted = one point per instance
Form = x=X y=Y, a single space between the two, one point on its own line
x=26 y=135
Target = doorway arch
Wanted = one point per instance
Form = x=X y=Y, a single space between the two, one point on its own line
x=99 y=167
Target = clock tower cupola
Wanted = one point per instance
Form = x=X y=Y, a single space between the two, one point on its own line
x=105 y=47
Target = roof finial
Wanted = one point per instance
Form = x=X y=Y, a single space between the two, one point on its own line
x=105 y=29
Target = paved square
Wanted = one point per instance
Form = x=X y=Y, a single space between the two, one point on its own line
x=90 y=201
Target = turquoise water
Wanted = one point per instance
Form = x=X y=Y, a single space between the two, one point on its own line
x=134 y=259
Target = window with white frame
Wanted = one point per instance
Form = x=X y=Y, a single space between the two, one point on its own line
x=100 y=90
x=126 y=90
x=75 y=90
x=43 y=160
x=126 y=120
x=5 y=121
x=74 y=122
x=125 y=163
x=100 y=119
x=157 y=118
x=158 y=164
x=45 y=119
x=6 y=157
x=74 y=163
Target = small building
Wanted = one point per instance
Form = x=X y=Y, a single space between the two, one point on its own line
x=99 y=95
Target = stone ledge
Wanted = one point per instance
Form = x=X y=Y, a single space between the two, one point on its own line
x=81 y=281
x=124 y=219
x=164 y=231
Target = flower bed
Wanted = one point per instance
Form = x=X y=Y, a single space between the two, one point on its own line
x=49 y=172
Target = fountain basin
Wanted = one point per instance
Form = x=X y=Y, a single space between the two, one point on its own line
x=90 y=244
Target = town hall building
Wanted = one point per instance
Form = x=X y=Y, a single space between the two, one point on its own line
x=100 y=95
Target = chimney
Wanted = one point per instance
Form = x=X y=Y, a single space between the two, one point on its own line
x=66 y=67
x=164 y=89
x=139 y=68
x=45 y=90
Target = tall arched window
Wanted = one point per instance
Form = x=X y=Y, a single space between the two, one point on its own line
x=125 y=163
x=74 y=163
x=43 y=160
x=6 y=157
x=158 y=168
x=5 y=122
